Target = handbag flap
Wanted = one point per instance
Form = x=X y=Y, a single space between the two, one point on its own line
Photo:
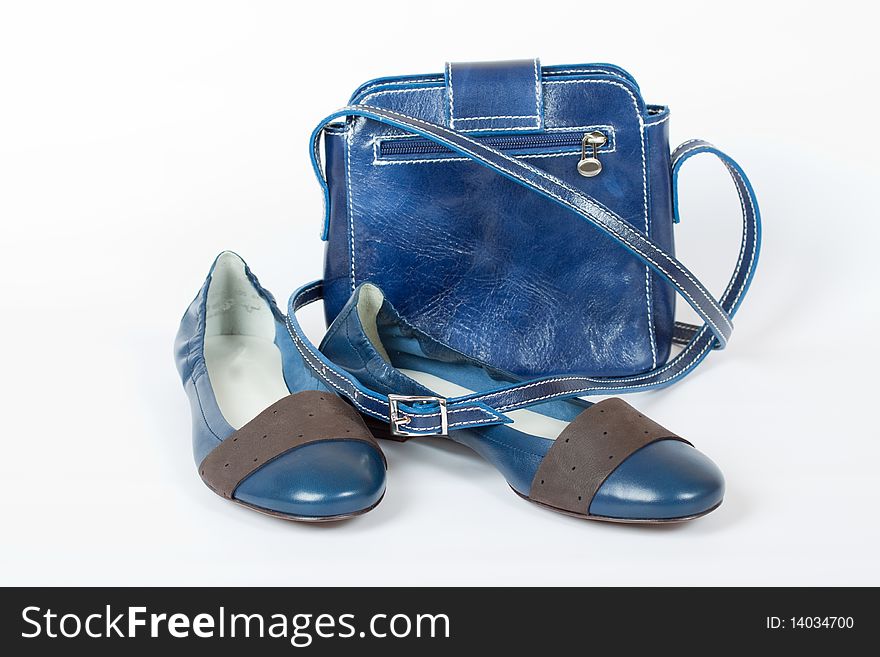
x=496 y=96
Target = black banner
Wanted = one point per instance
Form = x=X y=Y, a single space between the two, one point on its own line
x=280 y=621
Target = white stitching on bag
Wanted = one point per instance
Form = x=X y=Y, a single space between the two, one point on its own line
x=382 y=163
x=649 y=292
x=449 y=93
x=521 y=128
x=652 y=339
x=576 y=128
x=538 y=106
x=663 y=120
x=588 y=71
x=391 y=92
x=501 y=116
x=408 y=136
x=350 y=205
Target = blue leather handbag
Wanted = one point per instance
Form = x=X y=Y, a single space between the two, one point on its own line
x=523 y=215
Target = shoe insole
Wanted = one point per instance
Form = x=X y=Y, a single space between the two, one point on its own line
x=524 y=420
x=246 y=375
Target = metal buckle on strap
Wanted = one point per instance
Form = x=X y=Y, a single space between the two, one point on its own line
x=398 y=420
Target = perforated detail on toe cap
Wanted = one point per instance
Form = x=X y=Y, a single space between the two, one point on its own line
x=589 y=450
x=305 y=417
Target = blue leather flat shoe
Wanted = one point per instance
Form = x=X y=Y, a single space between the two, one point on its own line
x=602 y=461
x=267 y=434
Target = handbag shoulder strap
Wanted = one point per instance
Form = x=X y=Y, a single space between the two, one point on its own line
x=716 y=314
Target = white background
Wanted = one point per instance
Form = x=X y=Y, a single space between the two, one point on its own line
x=137 y=140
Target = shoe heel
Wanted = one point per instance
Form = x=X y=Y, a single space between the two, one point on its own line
x=381 y=430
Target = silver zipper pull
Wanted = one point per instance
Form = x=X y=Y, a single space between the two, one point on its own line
x=591 y=166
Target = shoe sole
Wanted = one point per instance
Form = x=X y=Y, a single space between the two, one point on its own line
x=621 y=521
x=308 y=519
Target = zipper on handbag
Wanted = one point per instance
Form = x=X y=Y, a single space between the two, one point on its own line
x=590 y=144
x=590 y=165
